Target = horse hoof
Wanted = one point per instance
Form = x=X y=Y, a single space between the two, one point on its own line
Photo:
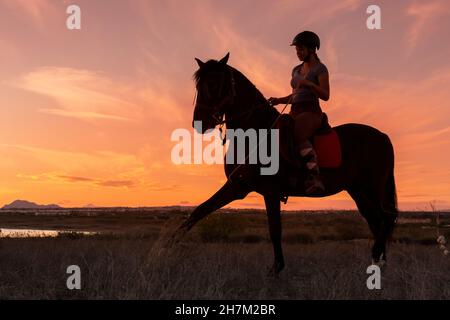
x=380 y=263
x=275 y=270
x=273 y=274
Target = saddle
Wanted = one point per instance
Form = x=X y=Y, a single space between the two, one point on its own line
x=325 y=142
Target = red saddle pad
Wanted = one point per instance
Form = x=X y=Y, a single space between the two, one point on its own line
x=328 y=149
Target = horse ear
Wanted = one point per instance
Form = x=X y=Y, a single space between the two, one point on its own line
x=199 y=62
x=224 y=60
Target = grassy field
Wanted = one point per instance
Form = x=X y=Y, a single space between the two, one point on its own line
x=225 y=257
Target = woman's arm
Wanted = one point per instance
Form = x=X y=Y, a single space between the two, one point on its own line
x=322 y=90
x=285 y=100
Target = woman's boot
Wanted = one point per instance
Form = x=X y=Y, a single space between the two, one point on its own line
x=313 y=183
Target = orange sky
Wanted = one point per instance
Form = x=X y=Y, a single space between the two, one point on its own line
x=86 y=116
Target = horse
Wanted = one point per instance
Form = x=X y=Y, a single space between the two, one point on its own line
x=226 y=96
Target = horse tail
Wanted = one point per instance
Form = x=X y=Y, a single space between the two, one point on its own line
x=391 y=194
x=390 y=197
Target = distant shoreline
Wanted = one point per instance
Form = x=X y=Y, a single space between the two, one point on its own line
x=188 y=208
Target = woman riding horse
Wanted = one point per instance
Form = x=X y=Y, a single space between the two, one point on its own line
x=226 y=96
x=310 y=82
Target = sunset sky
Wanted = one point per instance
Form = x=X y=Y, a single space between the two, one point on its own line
x=86 y=115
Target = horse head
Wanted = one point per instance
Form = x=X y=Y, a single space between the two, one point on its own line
x=216 y=93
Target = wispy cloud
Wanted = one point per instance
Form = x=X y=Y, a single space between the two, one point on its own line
x=312 y=12
x=84 y=115
x=105 y=183
x=93 y=96
x=425 y=15
x=71 y=166
x=76 y=179
x=116 y=183
x=35 y=9
x=81 y=93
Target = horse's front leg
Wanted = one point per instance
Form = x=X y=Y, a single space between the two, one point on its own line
x=228 y=193
x=274 y=218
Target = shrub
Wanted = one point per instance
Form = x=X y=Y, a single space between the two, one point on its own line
x=220 y=226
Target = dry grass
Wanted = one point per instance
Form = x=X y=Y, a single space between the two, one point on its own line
x=226 y=257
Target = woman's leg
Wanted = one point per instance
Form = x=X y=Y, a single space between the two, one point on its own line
x=306 y=123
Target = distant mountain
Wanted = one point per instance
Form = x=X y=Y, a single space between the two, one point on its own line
x=90 y=205
x=23 y=204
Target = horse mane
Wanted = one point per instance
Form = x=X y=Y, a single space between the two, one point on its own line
x=216 y=66
x=208 y=67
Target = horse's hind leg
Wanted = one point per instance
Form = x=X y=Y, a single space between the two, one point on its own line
x=373 y=214
x=274 y=219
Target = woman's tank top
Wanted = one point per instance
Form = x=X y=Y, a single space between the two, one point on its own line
x=304 y=98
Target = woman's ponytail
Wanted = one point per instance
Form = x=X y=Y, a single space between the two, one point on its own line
x=317 y=57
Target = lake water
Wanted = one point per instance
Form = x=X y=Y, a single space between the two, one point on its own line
x=32 y=233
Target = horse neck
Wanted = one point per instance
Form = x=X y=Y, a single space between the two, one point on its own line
x=247 y=97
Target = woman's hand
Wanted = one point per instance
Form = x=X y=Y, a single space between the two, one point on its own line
x=273 y=101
